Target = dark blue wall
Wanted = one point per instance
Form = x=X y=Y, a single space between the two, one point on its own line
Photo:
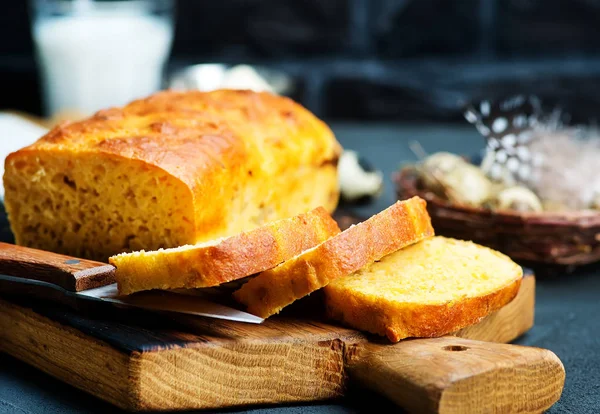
x=374 y=59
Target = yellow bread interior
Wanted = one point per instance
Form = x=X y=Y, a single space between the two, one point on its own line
x=89 y=205
x=145 y=270
x=428 y=289
x=435 y=270
x=93 y=205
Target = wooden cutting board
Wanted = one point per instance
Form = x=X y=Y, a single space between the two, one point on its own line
x=143 y=361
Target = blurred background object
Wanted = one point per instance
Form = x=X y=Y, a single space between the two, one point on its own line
x=95 y=54
x=210 y=76
x=393 y=60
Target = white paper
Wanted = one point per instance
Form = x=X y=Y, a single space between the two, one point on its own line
x=15 y=133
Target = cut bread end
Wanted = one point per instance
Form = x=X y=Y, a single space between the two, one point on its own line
x=404 y=223
x=430 y=289
x=220 y=261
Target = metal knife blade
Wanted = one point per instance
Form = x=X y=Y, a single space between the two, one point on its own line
x=163 y=301
x=68 y=280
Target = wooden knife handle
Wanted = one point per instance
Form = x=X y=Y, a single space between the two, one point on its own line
x=454 y=375
x=67 y=272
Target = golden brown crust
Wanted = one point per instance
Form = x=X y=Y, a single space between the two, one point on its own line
x=398 y=321
x=204 y=131
x=239 y=158
x=400 y=225
x=233 y=258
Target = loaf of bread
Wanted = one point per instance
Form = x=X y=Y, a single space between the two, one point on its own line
x=223 y=260
x=432 y=288
x=173 y=169
x=404 y=223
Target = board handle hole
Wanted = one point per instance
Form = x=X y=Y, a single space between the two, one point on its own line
x=455 y=348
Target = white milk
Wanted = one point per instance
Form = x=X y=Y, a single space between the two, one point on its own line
x=100 y=59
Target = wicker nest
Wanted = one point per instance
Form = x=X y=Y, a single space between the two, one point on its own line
x=566 y=239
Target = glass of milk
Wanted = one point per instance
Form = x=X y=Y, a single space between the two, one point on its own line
x=98 y=54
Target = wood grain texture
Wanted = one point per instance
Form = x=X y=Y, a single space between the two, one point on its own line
x=70 y=273
x=240 y=373
x=65 y=353
x=455 y=375
x=164 y=363
x=202 y=367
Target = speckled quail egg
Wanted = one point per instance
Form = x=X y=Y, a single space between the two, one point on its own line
x=459 y=180
x=517 y=198
x=595 y=204
x=437 y=165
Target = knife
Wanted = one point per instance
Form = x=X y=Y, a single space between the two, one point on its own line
x=70 y=281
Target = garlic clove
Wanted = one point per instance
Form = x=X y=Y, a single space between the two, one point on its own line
x=355 y=181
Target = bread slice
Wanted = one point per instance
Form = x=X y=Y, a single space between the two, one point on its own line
x=400 y=225
x=429 y=289
x=223 y=260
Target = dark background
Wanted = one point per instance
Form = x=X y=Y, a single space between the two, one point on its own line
x=400 y=60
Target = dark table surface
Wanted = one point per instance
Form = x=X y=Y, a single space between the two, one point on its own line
x=567 y=307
